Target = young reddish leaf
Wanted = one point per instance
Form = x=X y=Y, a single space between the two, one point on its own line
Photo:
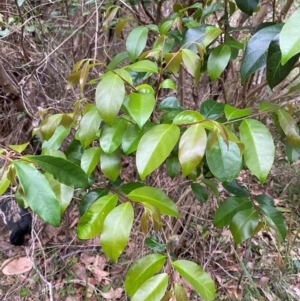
x=110 y=93
x=38 y=194
x=154 y=147
x=192 y=146
x=136 y=42
x=217 y=61
x=197 y=278
x=141 y=271
x=243 y=225
x=259 y=148
x=116 y=230
x=155 y=197
x=91 y=223
x=153 y=289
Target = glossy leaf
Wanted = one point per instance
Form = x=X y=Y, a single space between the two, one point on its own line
x=141 y=271
x=192 y=63
x=143 y=66
x=62 y=170
x=168 y=84
x=243 y=225
x=74 y=151
x=136 y=42
x=89 y=127
x=111 y=164
x=180 y=293
x=169 y=104
x=211 y=109
x=38 y=194
x=217 y=61
x=192 y=146
x=199 y=192
x=129 y=187
x=155 y=197
x=224 y=161
x=90 y=198
x=247 y=6
x=90 y=159
x=131 y=138
x=255 y=56
x=172 y=167
x=49 y=125
x=63 y=193
x=197 y=278
x=118 y=59
x=111 y=136
x=153 y=244
x=57 y=138
x=173 y=61
x=154 y=147
x=116 y=230
x=264 y=199
x=290 y=37
x=153 y=289
x=91 y=223
x=292 y=152
x=276 y=72
x=211 y=9
x=140 y=107
x=259 y=148
x=275 y=220
x=233 y=113
x=235 y=188
x=229 y=208
x=289 y=126
x=4 y=181
x=110 y=93
x=187 y=116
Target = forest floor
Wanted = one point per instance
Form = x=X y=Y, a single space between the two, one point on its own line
x=62 y=267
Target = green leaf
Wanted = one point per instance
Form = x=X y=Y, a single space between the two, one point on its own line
x=90 y=159
x=199 y=192
x=247 y=6
x=243 y=225
x=155 y=197
x=186 y=117
x=140 y=107
x=264 y=199
x=116 y=230
x=288 y=125
x=153 y=244
x=275 y=220
x=141 y=271
x=292 y=152
x=143 y=66
x=217 y=61
x=169 y=104
x=255 y=56
x=110 y=93
x=172 y=167
x=74 y=151
x=4 y=181
x=90 y=198
x=276 y=72
x=91 y=223
x=180 y=293
x=266 y=106
x=290 y=37
x=233 y=113
x=167 y=84
x=211 y=109
x=192 y=63
x=62 y=170
x=197 y=278
x=213 y=187
x=111 y=136
x=49 y=125
x=224 y=161
x=111 y=164
x=19 y=147
x=136 y=42
x=229 y=208
x=89 y=127
x=127 y=188
x=131 y=138
x=235 y=188
x=259 y=148
x=38 y=194
x=153 y=289
x=211 y=9
x=154 y=147
x=192 y=146
x=63 y=193
x=118 y=59
x=57 y=138
x=165 y=27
